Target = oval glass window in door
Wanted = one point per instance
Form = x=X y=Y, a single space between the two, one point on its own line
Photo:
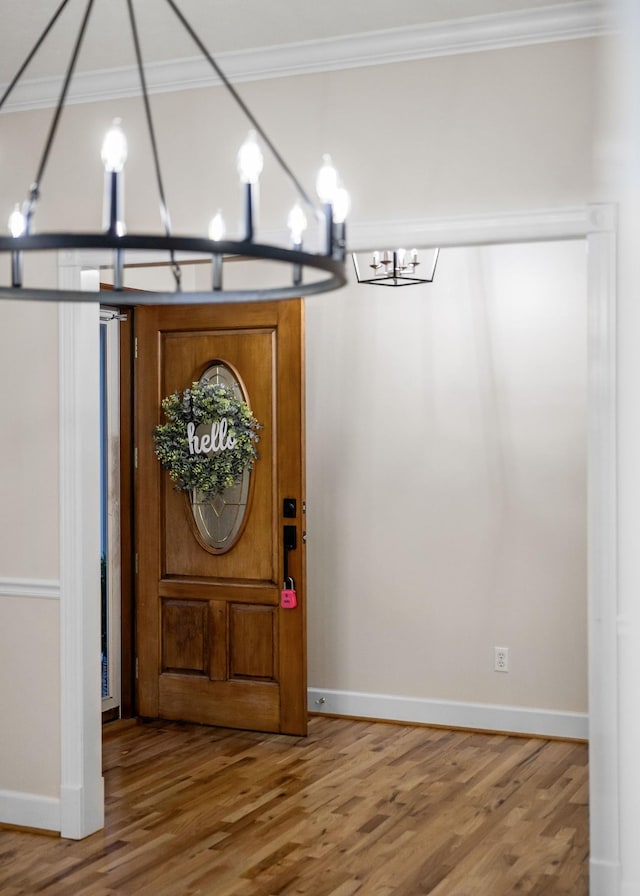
x=219 y=519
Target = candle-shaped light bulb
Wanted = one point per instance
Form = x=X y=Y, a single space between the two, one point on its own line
x=17 y=228
x=414 y=256
x=250 y=160
x=114 y=148
x=327 y=180
x=217 y=227
x=17 y=222
x=216 y=233
x=297 y=224
x=114 y=155
x=401 y=256
x=249 y=168
x=341 y=205
x=376 y=259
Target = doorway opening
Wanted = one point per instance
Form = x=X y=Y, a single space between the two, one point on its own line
x=598 y=225
x=116 y=512
x=110 y=534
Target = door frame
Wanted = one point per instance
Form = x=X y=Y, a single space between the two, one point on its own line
x=81 y=792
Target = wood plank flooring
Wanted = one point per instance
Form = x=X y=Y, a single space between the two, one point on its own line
x=357 y=807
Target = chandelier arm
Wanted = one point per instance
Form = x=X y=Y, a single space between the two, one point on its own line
x=35 y=187
x=249 y=114
x=164 y=211
x=33 y=52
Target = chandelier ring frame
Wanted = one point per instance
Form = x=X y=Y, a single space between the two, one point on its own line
x=185 y=245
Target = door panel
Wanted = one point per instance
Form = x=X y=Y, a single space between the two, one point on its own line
x=252 y=641
x=214 y=645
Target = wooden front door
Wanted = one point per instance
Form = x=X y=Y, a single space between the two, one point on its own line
x=213 y=643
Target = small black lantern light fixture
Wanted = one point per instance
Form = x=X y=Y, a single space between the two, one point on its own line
x=395 y=268
x=326 y=266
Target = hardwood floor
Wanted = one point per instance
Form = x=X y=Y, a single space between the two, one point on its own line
x=357 y=807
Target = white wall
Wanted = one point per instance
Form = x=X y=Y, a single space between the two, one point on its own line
x=29 y=569
x=29 y=671
x=447 y=484
x=479 y=133
x=29 y=468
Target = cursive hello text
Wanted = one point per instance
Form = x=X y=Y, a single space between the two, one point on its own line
x=209 y=438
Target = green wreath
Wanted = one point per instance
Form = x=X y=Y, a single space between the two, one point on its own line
x=229 y=435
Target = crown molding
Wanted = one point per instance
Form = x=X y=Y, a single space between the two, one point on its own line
x=567 y=21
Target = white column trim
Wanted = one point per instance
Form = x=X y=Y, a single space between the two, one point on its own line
x=604 y=782
x=517 y=226
x=81 y=783
x=530 y=225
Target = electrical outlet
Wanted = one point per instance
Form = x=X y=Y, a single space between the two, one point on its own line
x=500 y=659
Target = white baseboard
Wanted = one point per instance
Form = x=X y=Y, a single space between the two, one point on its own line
x=29 y=810
x=604 y=878
x=482 y=717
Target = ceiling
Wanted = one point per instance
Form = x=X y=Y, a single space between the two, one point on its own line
x=225 y=26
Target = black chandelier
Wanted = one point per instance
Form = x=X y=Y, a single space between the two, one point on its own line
x=395 y=268
x=327 y=266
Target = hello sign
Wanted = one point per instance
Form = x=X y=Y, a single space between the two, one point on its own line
x=210 y=438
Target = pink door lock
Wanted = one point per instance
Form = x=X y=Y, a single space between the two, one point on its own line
x=288 y=598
